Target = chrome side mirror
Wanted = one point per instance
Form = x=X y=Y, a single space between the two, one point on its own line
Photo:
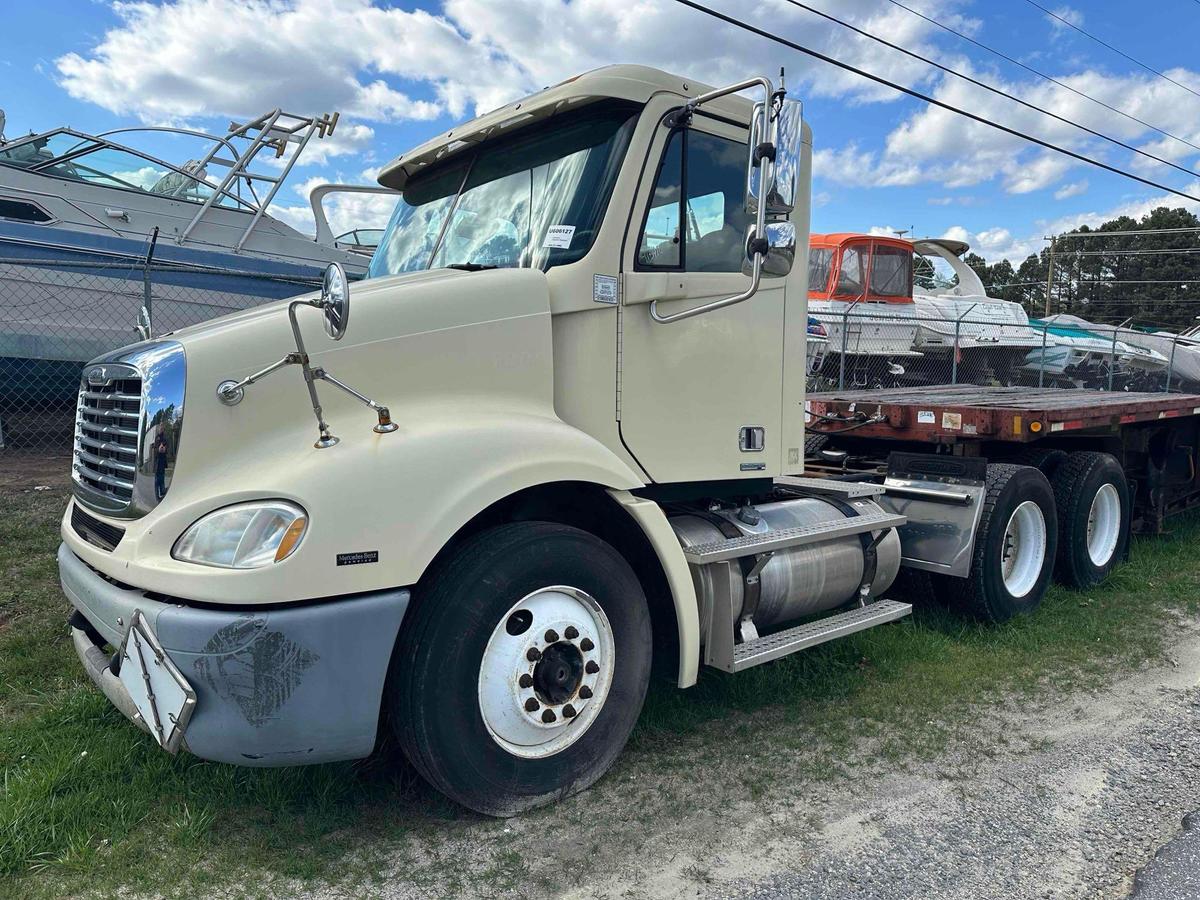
x=782 y=183
x=335 y=301
x=334 y=304
x=780 y=249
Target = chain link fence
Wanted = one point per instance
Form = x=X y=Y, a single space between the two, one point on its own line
x=56 y=315
x=855 y=348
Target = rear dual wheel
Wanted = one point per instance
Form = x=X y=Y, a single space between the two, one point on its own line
x=1092 y=497
x=522 y=667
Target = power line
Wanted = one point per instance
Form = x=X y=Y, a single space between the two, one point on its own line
x=1097 y=233
x=988 y=87
x=1112 y=48
x=808 y=51
x=1040 y=74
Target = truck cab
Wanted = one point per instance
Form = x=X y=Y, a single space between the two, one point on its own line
x=559 y=430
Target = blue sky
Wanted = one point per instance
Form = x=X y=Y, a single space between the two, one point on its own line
x=400 y=72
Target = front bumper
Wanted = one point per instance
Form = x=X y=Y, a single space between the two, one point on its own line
x=301 y=684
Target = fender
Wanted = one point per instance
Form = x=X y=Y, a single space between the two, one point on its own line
x=658 y=531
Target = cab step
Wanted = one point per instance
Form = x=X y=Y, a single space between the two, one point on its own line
x=773 y=646
x=784 y=538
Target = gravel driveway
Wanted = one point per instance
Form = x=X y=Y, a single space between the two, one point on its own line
x=1079 y=799
x=1066 y=798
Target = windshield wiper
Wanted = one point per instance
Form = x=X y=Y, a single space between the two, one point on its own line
x=470 y=267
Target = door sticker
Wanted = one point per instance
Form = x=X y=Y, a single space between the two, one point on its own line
x=558 y=237
x=604 y=289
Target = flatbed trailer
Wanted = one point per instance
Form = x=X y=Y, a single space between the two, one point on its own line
x=1154 y=436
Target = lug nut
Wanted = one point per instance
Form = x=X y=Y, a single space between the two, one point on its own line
x=551 y=636
x=585 y=693
x=571 y=633
x=586 y=645
x=591 y=668
x=531 y=705
x=534 y=654
x=525 y=681
x=568 y=711
x=548 y=716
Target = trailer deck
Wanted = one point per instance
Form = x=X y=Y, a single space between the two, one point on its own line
x=945 y=414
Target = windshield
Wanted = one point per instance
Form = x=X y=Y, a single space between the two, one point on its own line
x=533 y=200
x=66 y=155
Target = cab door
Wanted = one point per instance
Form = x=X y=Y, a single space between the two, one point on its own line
x=699 y=398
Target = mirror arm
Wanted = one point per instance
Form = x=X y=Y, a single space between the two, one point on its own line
x=758 y=247
x=231 y=392
x=385 y=425
x=755 y=278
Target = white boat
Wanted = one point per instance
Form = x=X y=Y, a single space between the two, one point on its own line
x=991 y=335
x=1182 y=352
x=859 y=289
x=79 y=213
x=1083 y=354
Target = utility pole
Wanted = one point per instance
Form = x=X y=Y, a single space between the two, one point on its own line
x=1050 y=275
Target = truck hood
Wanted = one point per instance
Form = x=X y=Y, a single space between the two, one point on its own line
x=360 y=290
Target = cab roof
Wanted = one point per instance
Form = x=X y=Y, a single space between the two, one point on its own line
x=634 y=83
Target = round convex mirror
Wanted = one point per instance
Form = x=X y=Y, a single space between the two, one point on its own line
x=335 y=301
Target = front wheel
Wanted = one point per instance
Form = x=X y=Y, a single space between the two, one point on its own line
x=522 y=669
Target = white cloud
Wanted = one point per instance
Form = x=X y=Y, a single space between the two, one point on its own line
x=1067 y=16
x=238 y=57
x=1074 y=189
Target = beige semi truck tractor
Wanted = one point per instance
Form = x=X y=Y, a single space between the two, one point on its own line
x=557 y=432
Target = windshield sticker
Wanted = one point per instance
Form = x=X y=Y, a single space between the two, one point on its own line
x=604 y=289
x=558 y=237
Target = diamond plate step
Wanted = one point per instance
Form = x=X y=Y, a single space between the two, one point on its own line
x=748 y=545
x=765 y=649
x=848 y=490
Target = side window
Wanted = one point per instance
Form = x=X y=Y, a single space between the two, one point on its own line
x=852 y=279
x=23 y=212
x=891 y=273
x=697 y=220
x=820 y=262
x=660 y=245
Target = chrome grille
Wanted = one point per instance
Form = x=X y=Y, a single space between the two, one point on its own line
x=107 y=434
x=128 y=423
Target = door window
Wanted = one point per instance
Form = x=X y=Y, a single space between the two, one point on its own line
x=697 y=220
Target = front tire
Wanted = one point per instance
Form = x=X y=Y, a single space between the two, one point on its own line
x=1092 y=497
x=522 y=669
x=1013 y=557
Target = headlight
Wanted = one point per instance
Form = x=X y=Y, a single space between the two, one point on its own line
x=245 y=536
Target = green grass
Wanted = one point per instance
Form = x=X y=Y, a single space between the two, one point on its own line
x=89 y=804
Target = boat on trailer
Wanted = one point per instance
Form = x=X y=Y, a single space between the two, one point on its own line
x=79 y=213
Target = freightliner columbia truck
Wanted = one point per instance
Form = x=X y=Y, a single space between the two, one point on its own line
x=558 y=430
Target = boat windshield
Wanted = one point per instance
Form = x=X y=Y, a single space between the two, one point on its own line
x=64 y=154
x=533 y=200
x=933 y=273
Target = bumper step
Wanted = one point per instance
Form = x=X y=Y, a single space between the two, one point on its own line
x=784 y=538
x=765 y=649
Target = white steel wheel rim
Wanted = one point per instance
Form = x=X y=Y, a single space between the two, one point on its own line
x=530 y=706
x=1104 y=524
x=1024 y=550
